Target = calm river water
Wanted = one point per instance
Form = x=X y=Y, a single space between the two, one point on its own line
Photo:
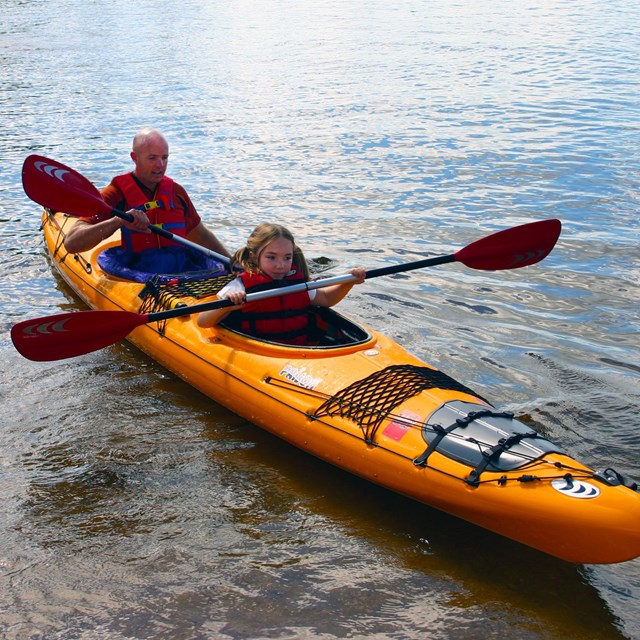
x=380 y=132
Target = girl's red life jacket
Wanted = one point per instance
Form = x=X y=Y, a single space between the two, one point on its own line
x=282 y=319
x=162 y=212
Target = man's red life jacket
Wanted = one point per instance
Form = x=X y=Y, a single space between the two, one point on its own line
x=279 y=319
x=161 y=212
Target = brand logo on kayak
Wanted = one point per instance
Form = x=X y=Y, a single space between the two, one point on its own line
x=51 y=170
x=300 y=376
x=575 y=488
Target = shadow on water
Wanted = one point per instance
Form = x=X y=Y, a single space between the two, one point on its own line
x=300 y=519
x=486 y=568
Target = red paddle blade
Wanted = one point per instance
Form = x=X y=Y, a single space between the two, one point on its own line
x=512 y=248
x=56 y=186
x=67 y=335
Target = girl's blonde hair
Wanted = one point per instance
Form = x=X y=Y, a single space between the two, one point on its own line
x=249 y=256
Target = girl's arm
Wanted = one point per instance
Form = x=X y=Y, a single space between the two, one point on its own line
x=330 y=296
x=234 y=292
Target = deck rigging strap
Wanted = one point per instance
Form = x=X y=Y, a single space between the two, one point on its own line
x=368 y=402
x=491 y=455
x=59 y=242
x=442 y=432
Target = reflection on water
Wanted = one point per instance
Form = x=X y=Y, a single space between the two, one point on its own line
x=380 y=133
x=223 y=522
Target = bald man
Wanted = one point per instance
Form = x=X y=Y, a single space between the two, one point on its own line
x=150 y=197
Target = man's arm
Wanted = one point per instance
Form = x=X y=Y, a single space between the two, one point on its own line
x=84 y=235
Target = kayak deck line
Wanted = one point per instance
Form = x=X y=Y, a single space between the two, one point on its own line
x=360 y=401
x=369 y=417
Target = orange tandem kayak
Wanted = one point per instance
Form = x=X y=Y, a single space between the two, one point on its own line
x=360 y=401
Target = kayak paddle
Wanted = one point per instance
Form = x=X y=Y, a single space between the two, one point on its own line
x=60 y=188
x=72 y=334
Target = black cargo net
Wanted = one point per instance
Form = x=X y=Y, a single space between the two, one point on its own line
x=368 y=402
x=163 y=292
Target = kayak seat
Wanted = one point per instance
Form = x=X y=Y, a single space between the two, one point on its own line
x=175 y=262
x=327 y=329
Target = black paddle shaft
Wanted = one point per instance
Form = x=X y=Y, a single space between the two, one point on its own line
x=420 y=264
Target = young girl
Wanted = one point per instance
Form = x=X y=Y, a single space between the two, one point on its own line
x=271 y=259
